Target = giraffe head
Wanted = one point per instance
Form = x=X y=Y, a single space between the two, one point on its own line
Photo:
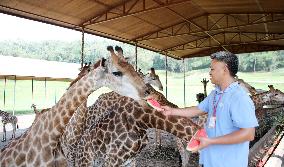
x=276 y=95
x=204 y=81
x=150 y=78
x=33 y=106
x=153 y=79
x=127 y=80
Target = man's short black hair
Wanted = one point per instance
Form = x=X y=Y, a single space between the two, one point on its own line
x=229 y=58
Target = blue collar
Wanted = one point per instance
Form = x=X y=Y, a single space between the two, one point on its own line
x=231 y=86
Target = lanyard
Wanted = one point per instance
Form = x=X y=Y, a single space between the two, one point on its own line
x=215 y=106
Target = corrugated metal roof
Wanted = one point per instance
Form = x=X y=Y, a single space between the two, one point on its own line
x=178 y=28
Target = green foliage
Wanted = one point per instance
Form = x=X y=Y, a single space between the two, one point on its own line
x=261 y=61
x=96 y=48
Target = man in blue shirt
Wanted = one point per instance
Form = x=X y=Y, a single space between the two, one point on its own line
x=231 y=116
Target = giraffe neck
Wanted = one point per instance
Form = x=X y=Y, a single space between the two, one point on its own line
x=205 y=92
x=73 y=132
x=181 y=127
x=43 y=137
x=127 y=118
x=72 y=99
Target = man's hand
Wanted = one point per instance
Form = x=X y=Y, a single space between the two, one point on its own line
x=239 y=136
x=166 y=110
x=204 y=142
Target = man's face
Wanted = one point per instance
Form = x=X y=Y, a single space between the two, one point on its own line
x=217 y=71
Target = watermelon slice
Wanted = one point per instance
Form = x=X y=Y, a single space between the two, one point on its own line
x=193 y=143
x=153 y=103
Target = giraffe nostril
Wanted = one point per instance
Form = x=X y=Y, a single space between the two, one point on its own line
x=147 y=92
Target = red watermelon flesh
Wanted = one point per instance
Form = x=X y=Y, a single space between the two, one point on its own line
x=153 y=103
x=193 y=143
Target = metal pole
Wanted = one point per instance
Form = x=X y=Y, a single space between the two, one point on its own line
x=166 y=75
x=32 y=90
x=82 y=48
x=184 y=104
x=45 y=90
x=14 y=95
x=55 y=99
x=5 y=82
x=136 y=56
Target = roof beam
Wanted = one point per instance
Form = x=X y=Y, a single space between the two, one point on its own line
x=116 y=12
x=244 y=48
x=201 y=28
x=169 y=28
x=256 y=37
x=201 y=45
x=248 y=21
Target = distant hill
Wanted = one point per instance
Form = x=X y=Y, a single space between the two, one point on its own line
x=94 y=49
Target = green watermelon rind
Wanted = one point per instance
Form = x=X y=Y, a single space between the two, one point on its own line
x=150 y=103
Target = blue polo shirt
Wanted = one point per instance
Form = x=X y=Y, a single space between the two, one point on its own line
x=235 y=110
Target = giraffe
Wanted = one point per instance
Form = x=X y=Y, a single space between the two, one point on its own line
x=276 y=95
x=37 y=148
x=261 y=99
x=150 y=78
x=23 y=135
x=272 y=97
x=204 y=82
x=269 y=121
x=8 y=118
x=76 y=125
x=83 y=71
x=201 y=96
x=120 y=131
x=36 y=111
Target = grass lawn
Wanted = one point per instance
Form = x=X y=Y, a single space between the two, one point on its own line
x=46 y=94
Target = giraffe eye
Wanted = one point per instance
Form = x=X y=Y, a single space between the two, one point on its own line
x=117 y=73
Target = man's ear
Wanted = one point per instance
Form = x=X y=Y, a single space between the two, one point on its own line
x=226 y=69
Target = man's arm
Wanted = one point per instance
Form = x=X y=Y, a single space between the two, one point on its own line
x=239 y=136
x=184 y=112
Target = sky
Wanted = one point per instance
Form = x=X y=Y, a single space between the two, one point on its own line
x=13 y=27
